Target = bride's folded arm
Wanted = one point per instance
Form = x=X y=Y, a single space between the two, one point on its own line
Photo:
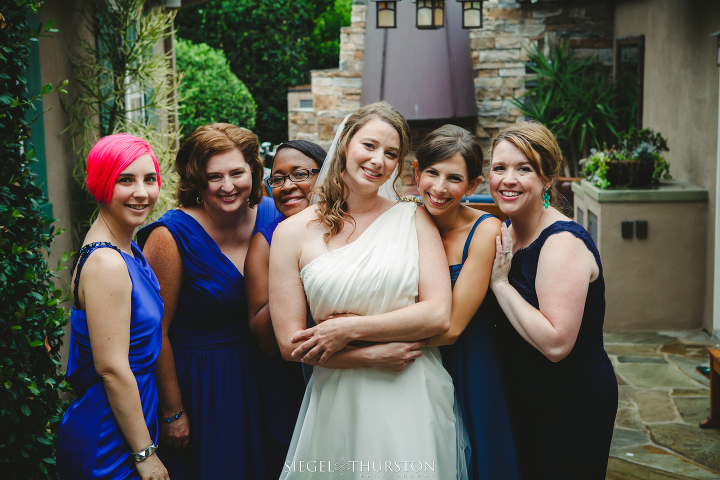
x=428 y=317
x=288 y=310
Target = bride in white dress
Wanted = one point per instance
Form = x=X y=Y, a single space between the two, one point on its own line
x=372 y=270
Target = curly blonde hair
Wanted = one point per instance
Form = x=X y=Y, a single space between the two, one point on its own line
x=332 y=206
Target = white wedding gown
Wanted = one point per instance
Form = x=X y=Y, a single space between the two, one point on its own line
x=360 y=422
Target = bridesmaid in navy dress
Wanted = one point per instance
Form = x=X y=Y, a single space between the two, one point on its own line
x=448 y=167
x=294 y=173
x=208 y=370
x=548 y=279
x=110 y=430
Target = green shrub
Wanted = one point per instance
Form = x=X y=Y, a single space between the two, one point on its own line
x=209 y=92
x=573 y=99
x=31 y=318
x=270 y=45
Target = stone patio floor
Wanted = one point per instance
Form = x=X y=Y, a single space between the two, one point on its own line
x=662 y=399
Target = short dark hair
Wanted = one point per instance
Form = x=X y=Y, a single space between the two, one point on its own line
x=311 y=150
x=449 y=140
x=210 y=140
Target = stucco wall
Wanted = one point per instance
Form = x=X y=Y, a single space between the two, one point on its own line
x=55 y=66
x=681 y=98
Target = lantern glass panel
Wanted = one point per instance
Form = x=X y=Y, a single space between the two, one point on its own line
x=424 y=13
x=472 y=14
x=386 y=15
x=439 y=10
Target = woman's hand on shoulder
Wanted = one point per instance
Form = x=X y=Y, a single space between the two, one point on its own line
x=503 y=257
x=152 y=469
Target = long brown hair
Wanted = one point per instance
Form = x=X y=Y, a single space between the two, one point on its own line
x=210 y=140
x=332 y=207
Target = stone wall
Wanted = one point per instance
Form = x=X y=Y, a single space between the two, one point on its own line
x=499 y=50
x=498 y=55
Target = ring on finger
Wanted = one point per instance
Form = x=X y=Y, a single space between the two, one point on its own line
x=506 y=252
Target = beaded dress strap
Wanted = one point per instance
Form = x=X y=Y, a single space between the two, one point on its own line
x=81 y=258
x=470 y=235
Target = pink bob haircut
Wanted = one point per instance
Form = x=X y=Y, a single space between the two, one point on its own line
x=109 y=157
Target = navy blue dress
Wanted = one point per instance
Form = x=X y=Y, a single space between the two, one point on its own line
x=90 y=442
x=564 y=412
x=282 y=388
x=216 y=359
x=474 y=366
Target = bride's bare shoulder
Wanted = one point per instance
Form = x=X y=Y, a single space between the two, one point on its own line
x=298 y=224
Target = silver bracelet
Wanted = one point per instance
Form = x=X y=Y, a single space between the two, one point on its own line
x=145 y=453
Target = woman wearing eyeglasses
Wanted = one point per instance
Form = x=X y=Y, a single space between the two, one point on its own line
x=208 y=369
x=294 y=172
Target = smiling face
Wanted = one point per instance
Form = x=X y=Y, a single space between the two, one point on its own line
x=292 y=197
x=514 y=184
x=229 y=182
x=372 y=155
x=135 y=192
x=443 y=184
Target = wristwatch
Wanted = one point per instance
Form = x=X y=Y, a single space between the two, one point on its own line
x=144 y=453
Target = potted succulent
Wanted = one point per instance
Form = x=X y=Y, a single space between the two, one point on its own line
x=636 y=162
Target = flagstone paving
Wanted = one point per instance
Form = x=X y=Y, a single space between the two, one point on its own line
x=662 y=399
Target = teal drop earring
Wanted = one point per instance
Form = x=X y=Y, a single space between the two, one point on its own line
x=546 y=198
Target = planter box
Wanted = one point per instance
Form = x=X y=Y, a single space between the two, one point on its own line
x=653 y=283
x=630 y=174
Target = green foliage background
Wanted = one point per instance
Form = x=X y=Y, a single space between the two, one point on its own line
x=209 y=91
x=119 y=59
x=575 y=99
x=31 y=318
x=270 y=45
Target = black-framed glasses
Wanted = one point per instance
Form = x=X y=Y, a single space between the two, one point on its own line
x=297 y=176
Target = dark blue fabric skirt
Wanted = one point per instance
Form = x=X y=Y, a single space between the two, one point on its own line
x=218 y=375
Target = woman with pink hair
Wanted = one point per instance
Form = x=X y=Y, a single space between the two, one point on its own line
x=110 y=430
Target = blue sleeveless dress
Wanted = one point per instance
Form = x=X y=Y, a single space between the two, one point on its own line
x=282 y=387
x=474 y=367
x=564 y=412
x=216 y=359
x=90 y=443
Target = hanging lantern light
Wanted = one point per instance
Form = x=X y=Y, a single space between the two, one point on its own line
x=386 y=13
x=430 y=14
x=472 y=14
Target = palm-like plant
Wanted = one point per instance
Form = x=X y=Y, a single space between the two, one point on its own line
x=571 y=97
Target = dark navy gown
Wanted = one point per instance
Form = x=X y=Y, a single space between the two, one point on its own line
x=282 y=387
x=474 y=366
x=564 y=412
x=216 y=359
x=90 y=444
